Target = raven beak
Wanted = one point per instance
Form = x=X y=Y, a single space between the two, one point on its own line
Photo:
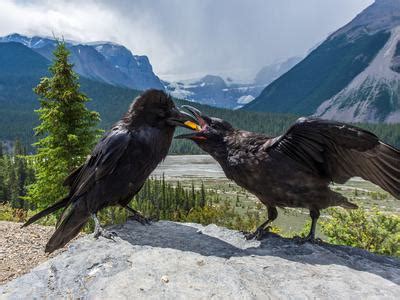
x=183 y=119
x=196 y=123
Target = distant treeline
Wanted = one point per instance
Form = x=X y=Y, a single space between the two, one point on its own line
x=15 y=176
x=18 y=119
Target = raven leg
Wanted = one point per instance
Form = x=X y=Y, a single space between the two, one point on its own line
x=99 y=231
x=314 y=214
x=137 y=216
x=263 y=229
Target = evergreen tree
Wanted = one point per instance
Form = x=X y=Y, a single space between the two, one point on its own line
x=2 y=175
x=67 y=130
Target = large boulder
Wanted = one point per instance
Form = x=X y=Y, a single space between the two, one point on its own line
x=168 y=260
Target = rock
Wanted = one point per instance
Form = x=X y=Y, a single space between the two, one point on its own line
x=171 y=260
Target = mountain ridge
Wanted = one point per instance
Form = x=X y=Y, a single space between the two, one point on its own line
x=226 y=93
x=321 y=84
x=96 y=60
x=372 y=95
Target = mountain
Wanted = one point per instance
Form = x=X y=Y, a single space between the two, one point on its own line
x=271 y=72
x=101 y=61
x=21 y=69
x=28 y=62
x=226 y=93
x=214 y=90
x=352 y=76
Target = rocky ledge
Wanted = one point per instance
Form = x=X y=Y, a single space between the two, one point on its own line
x=170 y=260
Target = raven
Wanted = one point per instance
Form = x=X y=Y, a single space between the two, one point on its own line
x=296 y=168
x=117 y=167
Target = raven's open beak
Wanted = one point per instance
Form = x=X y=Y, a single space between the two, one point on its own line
x=196 y=123
x=181 y=118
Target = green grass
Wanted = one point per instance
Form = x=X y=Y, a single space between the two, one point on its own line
x=293 y=220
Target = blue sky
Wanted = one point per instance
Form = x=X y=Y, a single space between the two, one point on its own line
x=189 y=38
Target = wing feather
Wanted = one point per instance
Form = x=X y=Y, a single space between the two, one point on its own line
x=339 y=151
x=103 y=161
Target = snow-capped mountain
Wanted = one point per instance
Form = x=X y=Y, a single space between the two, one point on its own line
x=102 y=61
x=354 y=75
x=215 y=91
x=115 y=64
x=226 y=92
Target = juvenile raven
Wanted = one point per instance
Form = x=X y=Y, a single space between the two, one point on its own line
x=296 y=168
x=118 y=166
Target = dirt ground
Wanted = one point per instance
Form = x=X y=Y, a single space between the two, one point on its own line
x=21 y=249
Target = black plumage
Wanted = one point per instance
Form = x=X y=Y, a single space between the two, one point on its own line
x=118 y=166
x=296 y=168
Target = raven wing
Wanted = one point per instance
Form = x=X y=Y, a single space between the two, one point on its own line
x=339 y=151
x=103 y=161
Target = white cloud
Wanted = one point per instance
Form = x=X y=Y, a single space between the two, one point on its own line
x=188 y=36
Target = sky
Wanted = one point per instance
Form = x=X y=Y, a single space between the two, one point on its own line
x=189 y=38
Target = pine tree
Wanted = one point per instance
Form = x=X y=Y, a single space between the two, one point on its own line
x=2 y=175
x=67 y=130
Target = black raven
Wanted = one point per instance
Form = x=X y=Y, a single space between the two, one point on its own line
x=118 y=166
x=296 y=168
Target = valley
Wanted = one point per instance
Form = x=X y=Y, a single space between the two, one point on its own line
x=198 y=169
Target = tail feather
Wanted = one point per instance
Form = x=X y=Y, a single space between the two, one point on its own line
x=69 y=227
x=56 y=206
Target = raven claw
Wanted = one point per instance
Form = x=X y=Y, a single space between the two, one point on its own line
x=104 y=233
x=140 y=218
x=258 y=235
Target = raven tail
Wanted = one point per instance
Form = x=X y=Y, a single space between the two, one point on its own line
x=56 y=206
x=69 y=227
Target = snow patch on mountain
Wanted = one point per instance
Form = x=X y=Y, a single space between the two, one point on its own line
x=214 y=90
x=245 y=99
x=224 y=91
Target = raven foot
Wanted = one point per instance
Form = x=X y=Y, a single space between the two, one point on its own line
x=140 y=218
x=259 y=234
x=99 y=231
x=104 y=233
x=137 y=216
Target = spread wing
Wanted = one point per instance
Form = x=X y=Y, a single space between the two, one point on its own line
x=103 y=161
x=339 y=151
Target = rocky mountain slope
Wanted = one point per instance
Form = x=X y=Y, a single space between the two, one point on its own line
x=352 y=76
x=374 y=94
x=189 y=261
x=101 y=61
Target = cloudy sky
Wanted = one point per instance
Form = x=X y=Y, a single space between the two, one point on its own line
x=188 y=38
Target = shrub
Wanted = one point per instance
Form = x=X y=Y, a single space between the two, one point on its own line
x=372 y=230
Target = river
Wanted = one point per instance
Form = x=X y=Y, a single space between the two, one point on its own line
x=189 y=166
